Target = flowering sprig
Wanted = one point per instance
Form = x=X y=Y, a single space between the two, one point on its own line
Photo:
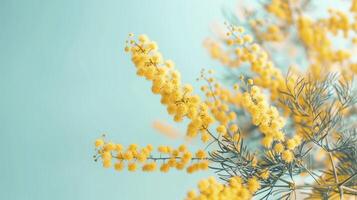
x=133 y=156
x=262 y=136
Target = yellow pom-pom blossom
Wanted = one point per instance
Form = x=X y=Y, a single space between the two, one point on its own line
x=149 y=167
x=107 y=163
x=132 y=167
x=279 y=148
x=292 y=143
x=287 y=156
x=201 y=154
x=281 y=9
x=265 y=174
x=253 y=185
x=119 y=166
x=221 y=129
x=99 y=143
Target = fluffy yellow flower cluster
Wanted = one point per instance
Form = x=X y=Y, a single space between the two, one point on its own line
x=287 y=151
x=133 y=156
x=316 y=36
x=180 y=159
x=245 y=51
x=338 y=21
x=271 y=32
x=210 y=189
x=217 y=52
x=281 y=9
x=266 y=117
x=270 y=123
x=323 y=55
x=180 y=101
x=267 y=75
x=286 y=148
x=108 y=151
x=218 y=104
x=203 y=164
x=354 y=6
x=218 y=99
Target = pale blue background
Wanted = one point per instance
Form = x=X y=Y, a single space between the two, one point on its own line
x=64 y=79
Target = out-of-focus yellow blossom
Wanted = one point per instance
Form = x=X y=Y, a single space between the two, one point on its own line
x=166 y=129
x=235 y=189
x=281 y=9
x=354 y=6
x=99 y=143
x=267 y=75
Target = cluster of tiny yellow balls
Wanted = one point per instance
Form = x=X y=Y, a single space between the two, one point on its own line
x=134 y=156
x=235 y=189
x=266 y=74
x=181 y=158
x=280 y=9
x=270 y=123
x=218 y=100
x=166 y=81
x=315 y=35
x=109 y=151
x=263 y=115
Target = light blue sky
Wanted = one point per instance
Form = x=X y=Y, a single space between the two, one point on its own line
x=64 y=79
